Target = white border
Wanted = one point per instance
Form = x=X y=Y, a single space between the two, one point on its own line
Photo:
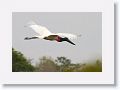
x=104 y=6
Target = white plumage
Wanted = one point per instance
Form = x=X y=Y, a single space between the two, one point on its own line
x=68 y=35
x=41 y=30
x=44 y=33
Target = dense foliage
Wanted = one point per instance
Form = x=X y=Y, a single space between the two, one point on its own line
x=20 y=63
x=48 y=64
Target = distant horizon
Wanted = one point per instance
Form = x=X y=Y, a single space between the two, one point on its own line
x=37 y=60
x=87 y=48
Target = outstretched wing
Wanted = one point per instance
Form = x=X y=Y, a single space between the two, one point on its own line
x=41 y=30
x=68 y=35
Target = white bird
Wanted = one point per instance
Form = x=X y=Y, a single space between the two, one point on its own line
x=44 y=33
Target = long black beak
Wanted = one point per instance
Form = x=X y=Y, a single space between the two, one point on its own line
x=70 y=42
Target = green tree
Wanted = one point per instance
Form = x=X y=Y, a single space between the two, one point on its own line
x=20 y=63
x=46 y=64
x=63 y=63
x=96 y=66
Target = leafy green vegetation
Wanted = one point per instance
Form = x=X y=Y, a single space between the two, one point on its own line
x=20 y=63
x=92 y=67
x=47 y=64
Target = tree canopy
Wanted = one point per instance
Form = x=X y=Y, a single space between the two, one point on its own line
x=20 y=63
x=48 y=64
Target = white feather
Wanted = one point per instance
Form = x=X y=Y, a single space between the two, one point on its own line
x=44 y=32
x=68 y=35
x=41 y=30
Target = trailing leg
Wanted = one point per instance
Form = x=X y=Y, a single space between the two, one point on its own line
x=28 y=38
